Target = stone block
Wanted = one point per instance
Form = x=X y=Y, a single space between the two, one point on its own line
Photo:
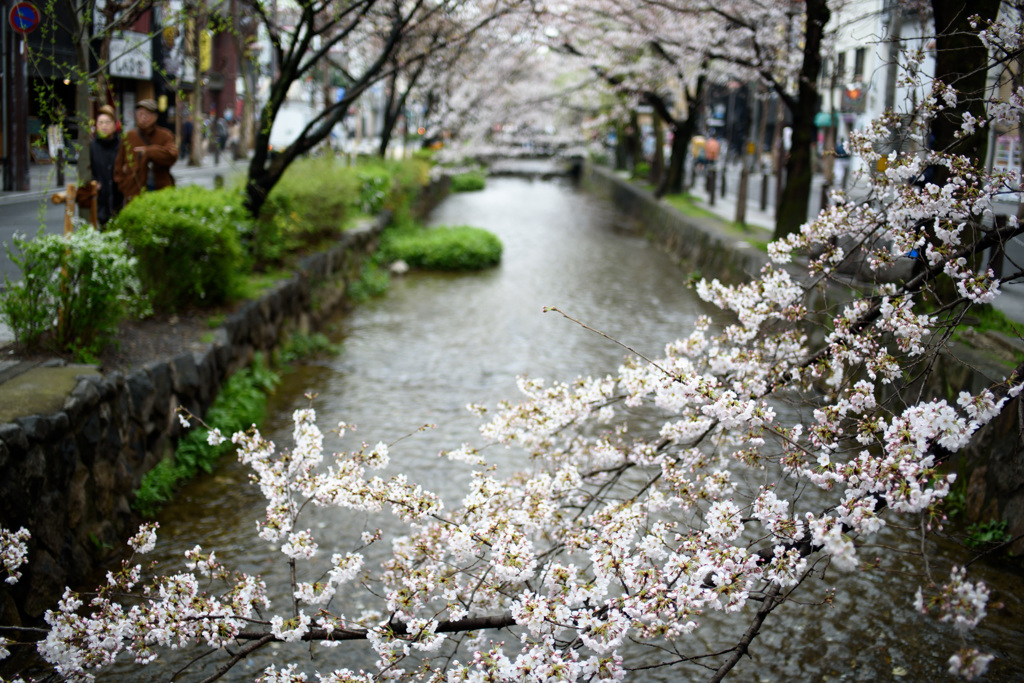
x=141 y=394
x=184 y=375
x=46 y=579
x=87 y=391
x=13 y=436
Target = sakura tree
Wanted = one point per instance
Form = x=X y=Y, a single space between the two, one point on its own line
x=763 y=449
x=644 y=54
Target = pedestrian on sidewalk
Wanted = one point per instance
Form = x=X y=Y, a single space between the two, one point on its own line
x=103 y=153
x=187 y=129
x=712 y=148
x=842 y=163
x=147 y=154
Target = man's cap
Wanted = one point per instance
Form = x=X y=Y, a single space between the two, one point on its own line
x=147 y=104
x=108 y=110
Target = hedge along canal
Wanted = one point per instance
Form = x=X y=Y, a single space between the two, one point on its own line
x=437 y=342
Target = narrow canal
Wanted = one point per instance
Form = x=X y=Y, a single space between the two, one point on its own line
x=436 y=343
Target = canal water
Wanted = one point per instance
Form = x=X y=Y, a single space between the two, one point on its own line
x=436 y=343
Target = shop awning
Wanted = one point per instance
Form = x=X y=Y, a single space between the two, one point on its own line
x=824 y=119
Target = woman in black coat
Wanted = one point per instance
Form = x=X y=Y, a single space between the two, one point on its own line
x=102 y=155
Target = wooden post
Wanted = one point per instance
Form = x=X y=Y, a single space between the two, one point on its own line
x=68 y=199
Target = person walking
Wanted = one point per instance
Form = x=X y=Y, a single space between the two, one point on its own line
x=712 y=148
x=187 y=128
x=146 y=156
x=103 y=153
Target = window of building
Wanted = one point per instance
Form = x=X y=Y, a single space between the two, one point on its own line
x=858 y=63
x=841 y=67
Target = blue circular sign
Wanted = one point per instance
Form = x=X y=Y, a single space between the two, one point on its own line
x=24 y=17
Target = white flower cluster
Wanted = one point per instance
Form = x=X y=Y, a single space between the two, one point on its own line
x=14 y=550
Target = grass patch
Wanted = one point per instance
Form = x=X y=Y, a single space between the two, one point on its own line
x=471 y=181
x=685 y=204
x=987 y=318
x=461 y=247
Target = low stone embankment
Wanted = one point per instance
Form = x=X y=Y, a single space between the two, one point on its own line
x=993 y=464
x=69 y=476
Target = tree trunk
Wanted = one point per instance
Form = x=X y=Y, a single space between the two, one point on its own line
x=673 y=181
x=658 y=162
x=961 y=61
x=791 y=210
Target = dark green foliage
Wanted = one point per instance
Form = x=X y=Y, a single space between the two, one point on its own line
x=987 y=534
x=468 y=182
x=186 y=240
x=241 y=403
x=444 y=248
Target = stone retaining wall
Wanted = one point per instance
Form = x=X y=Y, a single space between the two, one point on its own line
x=991 y=467
x=69 y=477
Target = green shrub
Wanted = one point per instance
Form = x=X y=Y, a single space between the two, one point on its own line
x=641 y=170
x=187 y=242
x=299 y=346
x=424 y=154
x=468 y=182
x=241 y=403
x=373 y=281
x=374 y=187
x=317 y=198
x=73 y=292
x=444 y=248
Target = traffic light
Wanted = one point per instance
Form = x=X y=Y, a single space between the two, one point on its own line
x=854 y=98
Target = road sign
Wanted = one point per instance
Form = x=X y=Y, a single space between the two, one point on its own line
x=24 y=18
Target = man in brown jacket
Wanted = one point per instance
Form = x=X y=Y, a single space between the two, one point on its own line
x=147 y=154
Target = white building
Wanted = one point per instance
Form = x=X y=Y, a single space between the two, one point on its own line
x=860 y=76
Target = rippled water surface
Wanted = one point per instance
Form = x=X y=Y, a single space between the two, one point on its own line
x=438 y=342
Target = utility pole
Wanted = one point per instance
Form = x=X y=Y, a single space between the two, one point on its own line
x=16 y=175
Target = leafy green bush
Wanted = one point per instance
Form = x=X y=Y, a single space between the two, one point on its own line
x=241 y=402
x=373 y=281
x=317 y=198
x=187 y=242
x=375 y=185
x=73 y=292
x=445 y=248
x=311 y=203
x=468 y=182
